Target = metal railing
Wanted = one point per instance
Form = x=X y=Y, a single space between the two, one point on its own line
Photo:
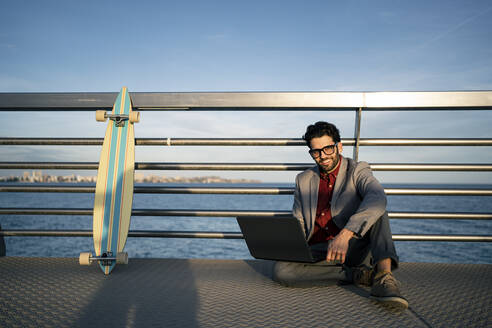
x=357 y=102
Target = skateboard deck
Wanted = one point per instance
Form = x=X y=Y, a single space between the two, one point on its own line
x=114 y=186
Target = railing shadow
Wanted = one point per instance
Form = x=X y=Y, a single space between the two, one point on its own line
x=142 y=294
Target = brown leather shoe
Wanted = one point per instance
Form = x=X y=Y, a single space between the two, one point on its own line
x=361 y=275
x=385 y=289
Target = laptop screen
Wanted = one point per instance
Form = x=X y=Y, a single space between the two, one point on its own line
x=275 y=238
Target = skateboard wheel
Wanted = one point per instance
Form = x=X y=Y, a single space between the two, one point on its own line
x=134 y=117
x=101 y=115
x=85 y=259
x=122 y=258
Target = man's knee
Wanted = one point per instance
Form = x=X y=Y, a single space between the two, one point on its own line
x=286 y=273
x=294 y=274
x=382 y=245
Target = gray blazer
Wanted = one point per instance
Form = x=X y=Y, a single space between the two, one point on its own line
x=358 y=199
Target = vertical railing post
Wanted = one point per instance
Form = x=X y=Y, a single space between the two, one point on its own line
x=358 y=118
x=3 y=250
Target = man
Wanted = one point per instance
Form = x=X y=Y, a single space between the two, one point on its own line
x=342 y=208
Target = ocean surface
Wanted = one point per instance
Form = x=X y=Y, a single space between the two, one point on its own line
x=444 y=252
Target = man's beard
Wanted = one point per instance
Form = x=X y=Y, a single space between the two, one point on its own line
x=329 y=169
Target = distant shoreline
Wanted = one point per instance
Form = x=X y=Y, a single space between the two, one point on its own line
x=38 y=177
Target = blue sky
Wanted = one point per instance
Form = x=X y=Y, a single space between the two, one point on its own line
x=67 y=46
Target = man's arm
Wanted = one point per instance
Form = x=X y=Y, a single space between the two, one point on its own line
x=297 y=206
x=373 y=201
x=371 y=208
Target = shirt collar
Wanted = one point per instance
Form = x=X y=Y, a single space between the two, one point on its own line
x=333 y=174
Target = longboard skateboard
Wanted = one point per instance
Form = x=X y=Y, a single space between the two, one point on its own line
x=114 y=186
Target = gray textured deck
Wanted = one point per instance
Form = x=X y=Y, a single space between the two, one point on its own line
x=53 y=292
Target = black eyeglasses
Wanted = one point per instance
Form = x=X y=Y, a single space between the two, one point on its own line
x=328 y=150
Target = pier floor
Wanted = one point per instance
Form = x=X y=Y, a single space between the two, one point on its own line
x=58 y=292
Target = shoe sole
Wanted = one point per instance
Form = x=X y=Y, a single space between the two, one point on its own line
x=392 y=301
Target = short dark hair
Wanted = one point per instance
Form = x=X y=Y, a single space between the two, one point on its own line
x=320 y=129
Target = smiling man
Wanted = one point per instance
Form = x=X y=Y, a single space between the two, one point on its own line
x=342 y=208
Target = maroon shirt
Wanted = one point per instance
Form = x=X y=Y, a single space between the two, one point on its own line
x=324 y=228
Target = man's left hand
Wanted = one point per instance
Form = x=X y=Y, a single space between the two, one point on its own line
x=337 y=248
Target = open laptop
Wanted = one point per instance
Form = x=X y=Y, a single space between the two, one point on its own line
x=276 y=238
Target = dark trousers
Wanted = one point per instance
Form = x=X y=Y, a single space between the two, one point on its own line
x=377 y=244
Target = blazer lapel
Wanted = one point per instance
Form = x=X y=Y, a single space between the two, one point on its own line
x=340 y=181
x=314 y=194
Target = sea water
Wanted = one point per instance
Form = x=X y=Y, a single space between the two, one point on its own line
x=448 y=252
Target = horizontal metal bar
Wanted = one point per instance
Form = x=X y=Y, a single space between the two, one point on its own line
x=187 y=234
x=156 y=190
x=44 y=188
x=206 y=213
x=447 y=238
x=52 y=141
x=49 y=165
x=239 y=190
x=243 y=142
x=159 y=166
x=223 y=142
x=160 y=141
x=215 y=190
x=46 y=211
x=250 y=100
x=241 y=166
x=222 y=235
x=137 y=233
x=437 y=192
x=439 y=216
x=225 y=166
x=233 y=213
x=425 y=142
x=431 y=167
x=142 y=212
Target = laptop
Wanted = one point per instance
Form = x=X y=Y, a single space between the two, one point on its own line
x=276 y=238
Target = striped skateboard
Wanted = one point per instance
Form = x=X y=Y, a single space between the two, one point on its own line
x=114 y=186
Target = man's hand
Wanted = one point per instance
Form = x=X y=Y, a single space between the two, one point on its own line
x=337 y=248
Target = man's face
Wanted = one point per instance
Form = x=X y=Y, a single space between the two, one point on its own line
x=326 y=162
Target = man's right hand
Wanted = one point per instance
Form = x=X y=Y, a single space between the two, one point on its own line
x=338 y=247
